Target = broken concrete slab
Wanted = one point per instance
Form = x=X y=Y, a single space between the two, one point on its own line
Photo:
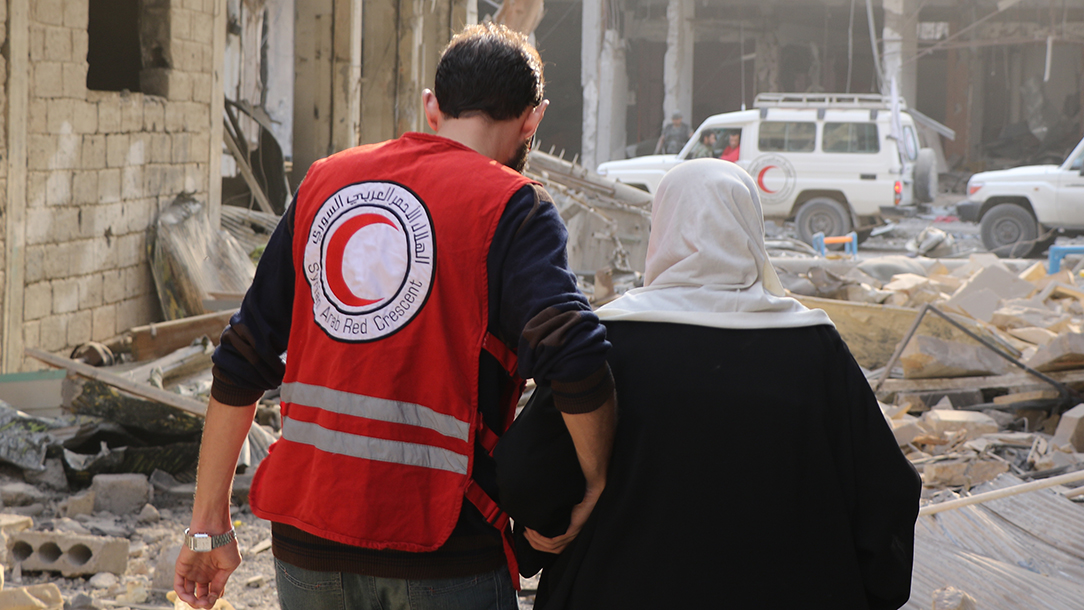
x=13 y=524
x=962 y=472
x=69 y=554
x=1060 y=354
x=1024 y=314
x=1070 y=429
x=164 y=568
x=975 y=424
x=906 y=429
x=52 y=477
x=1032 y=334
x=33 y=597
x=979 y=304
x=121 y=494
x=928 y=357
x=922 y=401
x=998 y=280
x=20 y=494
x=149 y=514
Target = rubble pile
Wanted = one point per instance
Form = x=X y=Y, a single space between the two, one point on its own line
x=964 y=406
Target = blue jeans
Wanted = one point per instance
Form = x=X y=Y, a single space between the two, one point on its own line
x=301 y=589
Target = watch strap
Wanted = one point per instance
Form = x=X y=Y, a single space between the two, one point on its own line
x=202 y=543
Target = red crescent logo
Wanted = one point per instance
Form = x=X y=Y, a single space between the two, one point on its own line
x=335 y=250
x=760 y=179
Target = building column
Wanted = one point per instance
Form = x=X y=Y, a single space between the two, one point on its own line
x=214 y=162
x=613 y=99
x=900 y=36
x=346 y=75
x=678 y=62
x=18 y=92
x=591 y=41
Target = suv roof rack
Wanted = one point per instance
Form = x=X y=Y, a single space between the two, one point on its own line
x=872 y=101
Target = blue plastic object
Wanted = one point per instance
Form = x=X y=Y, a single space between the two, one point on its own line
x=1057 y=253
x=849 y=240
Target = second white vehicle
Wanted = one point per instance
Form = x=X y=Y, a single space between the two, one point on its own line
x=827 y=161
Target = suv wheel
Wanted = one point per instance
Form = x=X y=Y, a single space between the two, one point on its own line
x=822 y=215
x=1009 y=230
x=925 y=188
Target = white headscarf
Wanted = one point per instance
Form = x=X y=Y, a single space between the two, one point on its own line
x=706 y=261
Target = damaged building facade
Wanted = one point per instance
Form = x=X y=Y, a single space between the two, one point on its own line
x=113 y=109
x=1005 y=76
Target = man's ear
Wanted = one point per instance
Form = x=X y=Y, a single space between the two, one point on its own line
x=533 y=118
x=433 y=115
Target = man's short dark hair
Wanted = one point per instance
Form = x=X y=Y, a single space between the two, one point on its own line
x=489 y=69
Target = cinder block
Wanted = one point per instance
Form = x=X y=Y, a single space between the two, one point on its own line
x=154 y=115
x=116 y=148
x=109 y=185
x=48 y=11
x=180 y=86
x=69 y=554
x=104 y=323
x=47 y=79
x=159 y=148
x=38 y=301
x=121 y=494
x=39 y=225
x=41 y=148
x=35 y=263
x=113 y=287
x=201 y=88
x=75 y=79
x=31 y=339
x=197 y=117
x=37 y=116
x=76 y=14
x=182 y=144
x=80 y=42
x=136 y=149
x=60 y=112
x=58 y=43
x=109 y=115
x=195 y=177
x=79 y=327
x=85 y=119
x=90 y=290
x=37 y=42
x=94 y=151
x=69 y=149
x=203 y=28
x=65 y=295
x=54 y=333
x=174 y=117
x=131 y=113
x=58 y=188
x=85 y=187
x=131 y=182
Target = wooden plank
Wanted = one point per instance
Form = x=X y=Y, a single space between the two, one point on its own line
x=1011 y=380
x=163 y=338
x=246 y=171
x=18 y=93
x=1026 y=396
x=139 y=389
x=873 y=331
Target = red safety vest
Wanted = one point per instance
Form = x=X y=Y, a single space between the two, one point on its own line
x=380 y=397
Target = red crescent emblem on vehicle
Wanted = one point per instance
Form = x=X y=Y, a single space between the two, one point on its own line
x=760 y=179
x=336 y=249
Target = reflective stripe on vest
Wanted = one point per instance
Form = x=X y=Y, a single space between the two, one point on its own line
x=377 y=449
x=379 y=409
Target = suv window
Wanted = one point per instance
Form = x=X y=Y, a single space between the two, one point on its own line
x=851 y=138
x=786 y=136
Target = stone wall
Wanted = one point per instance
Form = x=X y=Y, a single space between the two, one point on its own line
x=101 y=165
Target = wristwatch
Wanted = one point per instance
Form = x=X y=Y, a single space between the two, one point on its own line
x=202 y=543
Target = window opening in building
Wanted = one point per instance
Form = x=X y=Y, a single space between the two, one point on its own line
x=113 y=50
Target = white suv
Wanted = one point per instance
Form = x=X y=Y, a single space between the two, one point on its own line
x=1022 y=210
x=828 y=161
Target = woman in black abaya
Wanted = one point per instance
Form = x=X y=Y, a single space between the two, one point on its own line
x=752 y=465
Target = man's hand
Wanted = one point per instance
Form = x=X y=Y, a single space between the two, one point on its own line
x=580 y=513
x=200 y=578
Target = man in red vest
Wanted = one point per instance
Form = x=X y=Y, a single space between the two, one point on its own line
x=410 y=285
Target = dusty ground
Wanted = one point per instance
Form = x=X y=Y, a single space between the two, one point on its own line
x=252 y=586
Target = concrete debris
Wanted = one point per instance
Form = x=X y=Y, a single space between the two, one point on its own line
x=1070 y=431
x=928 y=357
x=79 y=504
x=221 y=604
x=962 y=472
x=951 y=598
x=102 y=580
x=33 y=597
x=20 y=494
x=972 y=424
x=149 y=514
x=121 y=493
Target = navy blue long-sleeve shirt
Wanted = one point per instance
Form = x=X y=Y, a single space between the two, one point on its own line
x=534 y=305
